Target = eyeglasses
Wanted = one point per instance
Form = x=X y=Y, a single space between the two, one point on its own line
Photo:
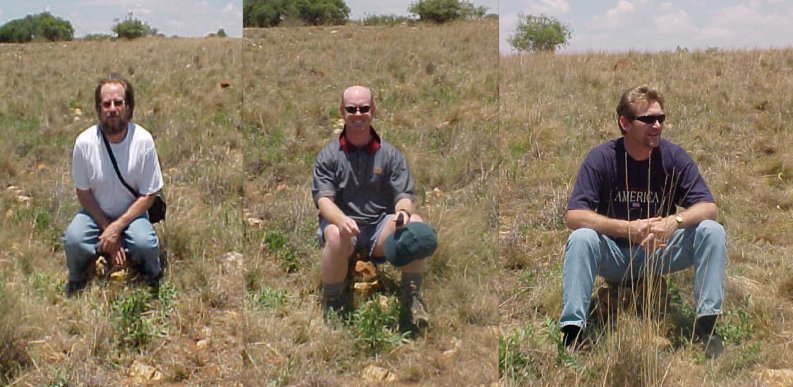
x=352 y=109
x=118 y=102
x=651 y=119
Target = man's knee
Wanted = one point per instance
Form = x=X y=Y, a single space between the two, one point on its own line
x=711 y=231
x=334 y=240
x=583 y=237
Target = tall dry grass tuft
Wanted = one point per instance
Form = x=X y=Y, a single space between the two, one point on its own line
x=730 y=119
x=182 y=100
x=436 y=93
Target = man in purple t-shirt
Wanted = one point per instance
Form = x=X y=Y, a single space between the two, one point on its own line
x=640 y=207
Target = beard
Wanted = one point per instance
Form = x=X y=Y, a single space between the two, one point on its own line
x=112 y=127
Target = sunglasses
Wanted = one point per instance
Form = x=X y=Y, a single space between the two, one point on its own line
x=352 y=109
x=118 y=102
x=651 y=119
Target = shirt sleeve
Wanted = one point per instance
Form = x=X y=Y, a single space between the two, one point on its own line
x=401 y=182
x=80 y=173
x=151 y=178
x=691 y=186
x=586 y=191
x=323 y=182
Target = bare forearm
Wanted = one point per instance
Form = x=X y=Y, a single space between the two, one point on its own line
x=89 y=204
x=616 y=228
x=695 y=214
x=138 y=208
x=330 y=211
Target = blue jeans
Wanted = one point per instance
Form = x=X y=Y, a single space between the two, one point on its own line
x=589 y=254
x=140 y=241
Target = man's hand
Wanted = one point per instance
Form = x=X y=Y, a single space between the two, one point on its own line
x=639 y=230
x=110 y=240
x=348 y=228
x=663 y=228
x=402 y=218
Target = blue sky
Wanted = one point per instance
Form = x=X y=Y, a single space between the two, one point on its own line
x=171 y=17
x=660 y=25
x=361 y=8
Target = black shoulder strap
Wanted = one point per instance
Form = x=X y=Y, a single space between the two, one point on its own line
x=115 y=165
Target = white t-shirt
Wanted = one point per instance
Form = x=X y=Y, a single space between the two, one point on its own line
x=137 y=161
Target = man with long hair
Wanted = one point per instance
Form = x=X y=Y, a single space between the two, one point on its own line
x=113 y=221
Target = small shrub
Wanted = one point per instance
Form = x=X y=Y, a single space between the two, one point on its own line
x=277 y=244
x=269 y=298
x=376 y=329
x=133 y=322
x=132 y=28
x=512 y=363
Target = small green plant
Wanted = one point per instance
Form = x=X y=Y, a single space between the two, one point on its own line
x=563 y=357
x=512 y=363
x=129 y=311
x=735 y=326
x=277 y=244
x=376 y=329
x=269 y=298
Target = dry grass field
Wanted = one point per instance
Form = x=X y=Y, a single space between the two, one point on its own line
x=191 y=332
x=731 y=111
x=437 y=100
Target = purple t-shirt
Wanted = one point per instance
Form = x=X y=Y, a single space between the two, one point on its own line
x=613 y=184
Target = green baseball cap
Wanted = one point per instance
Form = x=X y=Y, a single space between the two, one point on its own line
x=407 y=244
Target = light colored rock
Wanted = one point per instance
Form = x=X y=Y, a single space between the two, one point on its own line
x=374 y=373
x=662 y=342
x=143 y=374
x=231 y=261
x=202 y=344
x=774 y=378
x=254 y=222
x=366 y=270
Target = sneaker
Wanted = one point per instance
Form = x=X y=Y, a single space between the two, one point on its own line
x=712 y=344
x=74 y=288
x=419 y=317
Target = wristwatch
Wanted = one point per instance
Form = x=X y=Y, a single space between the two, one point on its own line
x=679 y=220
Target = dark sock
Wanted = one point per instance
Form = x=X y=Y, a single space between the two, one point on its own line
x=333 y=291
x=704 y=325
x=570 y=334
x=411 y=282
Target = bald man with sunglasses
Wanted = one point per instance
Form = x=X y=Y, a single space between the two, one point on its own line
x=364 y=192
x=640 y=208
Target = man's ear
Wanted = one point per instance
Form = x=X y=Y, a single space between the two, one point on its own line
x=624 y=123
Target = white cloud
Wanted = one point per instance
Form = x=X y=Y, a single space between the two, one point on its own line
x=614 y=16
x=546 y=7
x=673 y=22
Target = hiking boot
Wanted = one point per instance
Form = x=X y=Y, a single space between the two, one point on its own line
x=418 y=315
x=74 y=288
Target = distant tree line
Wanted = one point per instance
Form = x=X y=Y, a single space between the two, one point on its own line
x=131 y=28
x=273 y=13
x=39 y=27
